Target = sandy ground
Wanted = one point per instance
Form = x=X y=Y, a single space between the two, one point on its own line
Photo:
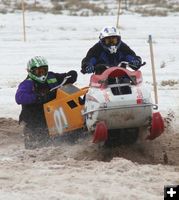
x=84 y=170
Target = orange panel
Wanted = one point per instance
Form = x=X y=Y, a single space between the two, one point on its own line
x=63 y=114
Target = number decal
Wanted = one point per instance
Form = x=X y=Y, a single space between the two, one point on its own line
x=60 y=120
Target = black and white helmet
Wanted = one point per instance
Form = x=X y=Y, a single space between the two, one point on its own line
x=110 y=39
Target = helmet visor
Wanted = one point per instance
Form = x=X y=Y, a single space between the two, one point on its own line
x=111 y=41
x=40 y=71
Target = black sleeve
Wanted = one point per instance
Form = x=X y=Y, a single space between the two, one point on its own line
x=126 y=49
x=91 y=56
x=41 y=99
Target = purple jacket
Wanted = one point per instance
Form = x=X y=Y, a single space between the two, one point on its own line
x=32 y=95
x=28 y=90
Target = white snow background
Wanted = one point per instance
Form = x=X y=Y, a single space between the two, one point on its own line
x=64 y=41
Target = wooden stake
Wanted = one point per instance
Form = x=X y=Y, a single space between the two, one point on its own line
x=118 y=13
x=23 y=13
x=153 y=69
x=35 y=2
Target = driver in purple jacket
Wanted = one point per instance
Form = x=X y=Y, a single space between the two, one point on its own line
x=32 y=93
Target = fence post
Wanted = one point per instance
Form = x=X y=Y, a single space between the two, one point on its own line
x=153 y=69
x=23 y=14
x=118 y=13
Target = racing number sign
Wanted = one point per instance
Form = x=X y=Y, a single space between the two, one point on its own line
x=60 y=120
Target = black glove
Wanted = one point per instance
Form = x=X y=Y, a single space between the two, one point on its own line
x=41 y=99
x=73 y=77
x=86 y=68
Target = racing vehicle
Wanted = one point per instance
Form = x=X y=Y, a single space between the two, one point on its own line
x=116 y=104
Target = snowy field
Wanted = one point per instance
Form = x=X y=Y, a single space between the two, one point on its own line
x=64 y=41
x=69 y=174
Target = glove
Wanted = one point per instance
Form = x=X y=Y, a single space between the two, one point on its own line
x=73 y=77
x=89 y=69
x=135 y=61
x=41 y=99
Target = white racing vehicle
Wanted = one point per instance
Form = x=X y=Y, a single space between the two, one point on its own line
x=118 y=105
x=114 y=108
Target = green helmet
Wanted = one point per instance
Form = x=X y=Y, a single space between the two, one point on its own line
x=38 y=63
